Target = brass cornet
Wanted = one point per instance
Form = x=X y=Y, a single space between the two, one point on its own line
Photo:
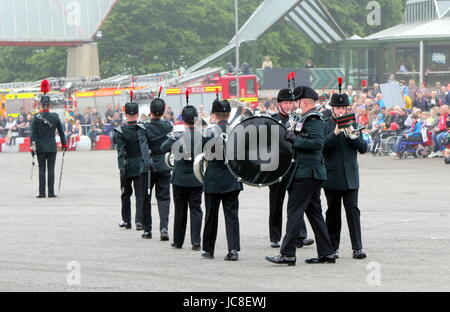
x=352 y=133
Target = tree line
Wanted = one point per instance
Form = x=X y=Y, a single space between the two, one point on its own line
x=147 y=36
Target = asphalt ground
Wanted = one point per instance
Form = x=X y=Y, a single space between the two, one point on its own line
x=73 y=243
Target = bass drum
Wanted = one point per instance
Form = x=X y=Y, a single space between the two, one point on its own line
x=257 y=153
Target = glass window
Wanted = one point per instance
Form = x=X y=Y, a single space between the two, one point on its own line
x=250 y=86
x=408 y=60
x=232 y=86
x=437 y=58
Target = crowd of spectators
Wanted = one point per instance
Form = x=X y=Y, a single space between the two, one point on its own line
x=11 y=127
x=423 y=109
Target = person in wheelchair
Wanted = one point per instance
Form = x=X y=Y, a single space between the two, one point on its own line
x=411 y=139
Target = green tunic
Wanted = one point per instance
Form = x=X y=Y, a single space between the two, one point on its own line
x=308 y=146
x=341 y=159
x=129 y=151
x=43 y=129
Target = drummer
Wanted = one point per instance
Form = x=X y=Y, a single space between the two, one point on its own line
x=278 y=190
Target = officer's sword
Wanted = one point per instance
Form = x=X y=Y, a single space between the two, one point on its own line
x=60 y=175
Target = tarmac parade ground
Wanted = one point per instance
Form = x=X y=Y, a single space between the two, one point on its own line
x=73 y=243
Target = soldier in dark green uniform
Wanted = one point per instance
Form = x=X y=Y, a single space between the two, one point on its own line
x=341 y=161
x=278 y=190
x=43 y=142
x=187 y=190
x=305 y=186
x=130 y=165
x=151 y=138
x=220 y=186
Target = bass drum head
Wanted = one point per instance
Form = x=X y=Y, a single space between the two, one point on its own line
x=257 y=152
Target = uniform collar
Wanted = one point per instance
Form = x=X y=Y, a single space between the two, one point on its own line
x=223 y=122
x=132 y=123
x=44 y=111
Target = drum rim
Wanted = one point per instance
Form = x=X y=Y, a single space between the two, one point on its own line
x=239 y=179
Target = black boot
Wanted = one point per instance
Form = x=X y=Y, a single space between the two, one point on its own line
x=164 y=235
x=359 y=254
x=290 y=261
x=232 y=255
x=147 y=235
x=324 y=259
x=196 y=247
x=207 y=255
x=275 y=245
x=125 y=225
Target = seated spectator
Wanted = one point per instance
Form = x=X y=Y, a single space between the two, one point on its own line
x=434 y=100
x=22 y=125
x=96 y=130
x=379 y=100
x=440 y=132
x=363 y=117
x=410 y=132
x=421 y=102
x=77 y=130
x=10 y=128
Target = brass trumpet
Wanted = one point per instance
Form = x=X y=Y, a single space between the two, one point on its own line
x=353 y=133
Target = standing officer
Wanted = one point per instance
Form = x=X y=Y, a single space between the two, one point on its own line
x=187 y=190
x=130 y=165
x=278 y=190
x=340 y=154
x=220 y=186
x=43 y=141
x=304 y=189
x=151 y=138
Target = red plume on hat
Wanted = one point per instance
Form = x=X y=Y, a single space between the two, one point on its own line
x=131 y=95
x=45 y=87
x=187 y=96
x=340 y=83
x=293 y=78
x=160 y=91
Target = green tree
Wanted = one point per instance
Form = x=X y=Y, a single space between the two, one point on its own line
x=147 y=36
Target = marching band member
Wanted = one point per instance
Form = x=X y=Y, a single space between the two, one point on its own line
x=278 y=190
x=221 y=187
x=341 y=161
x=306 y=182
x=187 y=190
